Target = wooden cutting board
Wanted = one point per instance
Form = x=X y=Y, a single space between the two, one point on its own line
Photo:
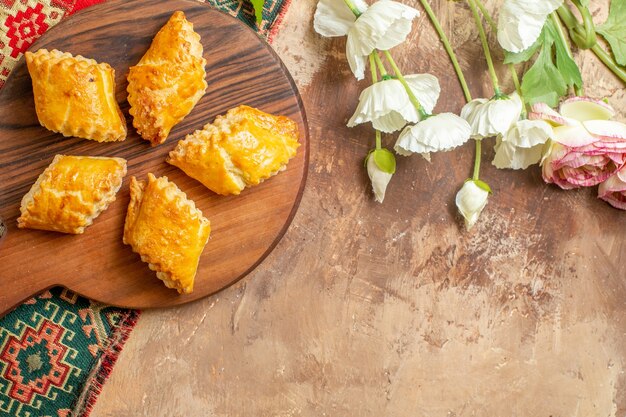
x=241 y=69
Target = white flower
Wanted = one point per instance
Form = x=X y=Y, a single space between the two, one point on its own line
x=471 y=200
x=382 y=26
x=522 y=145
x=334 y=18
x=386 y=104
x=492 y=117
x=440 y=132
x=379 y=178
x=521 y=22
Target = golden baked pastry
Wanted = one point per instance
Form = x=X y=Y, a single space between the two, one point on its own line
x=169 y=80
x=75 y=96
x=71 y=193
x=242 y=148
x=167 y=230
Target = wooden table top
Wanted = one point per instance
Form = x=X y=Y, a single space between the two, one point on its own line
x=370 y=310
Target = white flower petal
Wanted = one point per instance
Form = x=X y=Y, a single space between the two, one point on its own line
x=586 y=108
x=573 y=135
x=521 y=21
x=334 y=18
x=383 y=25
x=379 y=179
x=426 y=88
x=470 y=201
x=606 y=128
x=539 y=6
x=441 y=132
x=355 y=59
x=492 y=117
x=509 y=156
x=386 y=104
x=529 y=133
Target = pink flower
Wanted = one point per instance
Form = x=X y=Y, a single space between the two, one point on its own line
x=613 y=190
x=583 y=166
x=587 y=148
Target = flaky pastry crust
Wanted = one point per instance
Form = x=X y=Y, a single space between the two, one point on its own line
x=71 y=193
x=168 y=81
x=75 y=96
x=242 y=148
x=167 y=230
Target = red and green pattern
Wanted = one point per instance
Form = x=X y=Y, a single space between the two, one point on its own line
x=57 y=349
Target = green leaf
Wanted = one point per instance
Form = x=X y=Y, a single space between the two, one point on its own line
x=614 y=30
x=385 y=160
x=565 y=64
x=543 y=81
x=525 y=55
x=258 y=10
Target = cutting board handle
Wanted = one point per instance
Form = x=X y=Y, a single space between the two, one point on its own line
x=20 y=290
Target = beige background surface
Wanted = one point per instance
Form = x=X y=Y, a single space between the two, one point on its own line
x=394 y=310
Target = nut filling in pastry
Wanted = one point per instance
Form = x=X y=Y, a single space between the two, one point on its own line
x=167 y=230
x=71 y=193
x=168 y=81
x=75 y=96
x=242 y=148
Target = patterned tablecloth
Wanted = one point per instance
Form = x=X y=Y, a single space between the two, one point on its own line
x=57 y=349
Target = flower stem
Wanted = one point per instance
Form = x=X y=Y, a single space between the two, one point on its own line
x=406 y=86
x=608 y=60
x=379 y=141
x=373 y=68
x=476 y=175
x=574 y=27
x=488 y=17
x=381 y=66
x=483 y=40
x=589 y=38
x=372 y=57
x=353 y=7
x=448 y=48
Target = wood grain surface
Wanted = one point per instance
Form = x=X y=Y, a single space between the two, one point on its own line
x=394 y=309
x=241 y=69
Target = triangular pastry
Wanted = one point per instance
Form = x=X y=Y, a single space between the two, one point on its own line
x=240 y=149
x=75 y=96
x=71 y=193
x=168 y=81
x=167 y=230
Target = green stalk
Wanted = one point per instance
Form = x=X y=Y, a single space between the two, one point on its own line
x=590 y=38
x=608 y=60
x=352 y=7
x=381 y=66
x=398 y=73
x=476 y=175
x=574 y=27
x=483 y=40
x=448 y=48
x=488 y=17
x=494 y=27
x=372 y=57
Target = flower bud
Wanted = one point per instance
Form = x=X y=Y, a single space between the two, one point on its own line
x=471 y=200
